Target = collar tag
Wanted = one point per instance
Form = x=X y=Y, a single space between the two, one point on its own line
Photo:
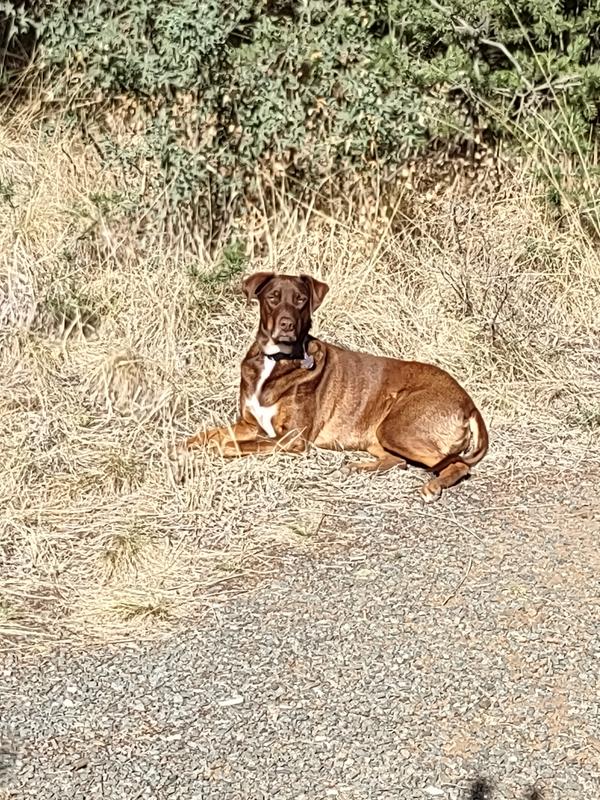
x=308 y=362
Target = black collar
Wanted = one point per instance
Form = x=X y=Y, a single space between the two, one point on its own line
x=298 y=354
x=284 y=356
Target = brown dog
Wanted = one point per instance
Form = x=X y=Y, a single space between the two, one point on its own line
x=297 y=390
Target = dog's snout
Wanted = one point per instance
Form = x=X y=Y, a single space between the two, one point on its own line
x=286 y=324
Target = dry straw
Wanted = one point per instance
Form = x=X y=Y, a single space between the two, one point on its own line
x=112 y=347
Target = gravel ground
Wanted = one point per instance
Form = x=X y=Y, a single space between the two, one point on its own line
x=425 y=650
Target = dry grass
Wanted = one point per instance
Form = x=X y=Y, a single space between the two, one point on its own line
x=110 y=348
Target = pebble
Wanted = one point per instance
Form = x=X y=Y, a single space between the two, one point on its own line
x=235 y=700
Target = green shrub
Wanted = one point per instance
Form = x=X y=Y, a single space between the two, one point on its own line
x=235 y=97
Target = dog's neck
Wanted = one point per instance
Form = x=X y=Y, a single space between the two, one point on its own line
x=297 y=351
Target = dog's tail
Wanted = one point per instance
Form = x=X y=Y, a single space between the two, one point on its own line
x=479 y=440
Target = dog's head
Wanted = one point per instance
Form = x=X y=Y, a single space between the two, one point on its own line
x=286 y=305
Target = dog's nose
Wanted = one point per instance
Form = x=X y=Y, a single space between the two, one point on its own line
x=286 y=324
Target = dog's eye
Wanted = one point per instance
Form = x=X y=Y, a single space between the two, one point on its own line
x=300 y=300
x=273 y=298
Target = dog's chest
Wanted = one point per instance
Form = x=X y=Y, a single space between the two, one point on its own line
x=263 y=414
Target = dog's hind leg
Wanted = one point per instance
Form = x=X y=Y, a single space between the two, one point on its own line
x=384 y=461
x=412 y=439
x=447 y=477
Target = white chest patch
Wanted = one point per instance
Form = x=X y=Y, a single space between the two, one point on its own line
x=263 y=414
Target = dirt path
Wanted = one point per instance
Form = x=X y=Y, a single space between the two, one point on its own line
x=419 y=649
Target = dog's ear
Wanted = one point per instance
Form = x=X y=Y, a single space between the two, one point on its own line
x=254 y=284
x=317 y=290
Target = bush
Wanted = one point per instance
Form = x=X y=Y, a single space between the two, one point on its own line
x=235 y=97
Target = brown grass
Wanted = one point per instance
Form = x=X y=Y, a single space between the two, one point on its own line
x=111 y=347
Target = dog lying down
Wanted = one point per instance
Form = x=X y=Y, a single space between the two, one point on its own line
x=297 y=390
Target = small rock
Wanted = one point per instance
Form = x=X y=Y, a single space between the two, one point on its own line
x=234 y=700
